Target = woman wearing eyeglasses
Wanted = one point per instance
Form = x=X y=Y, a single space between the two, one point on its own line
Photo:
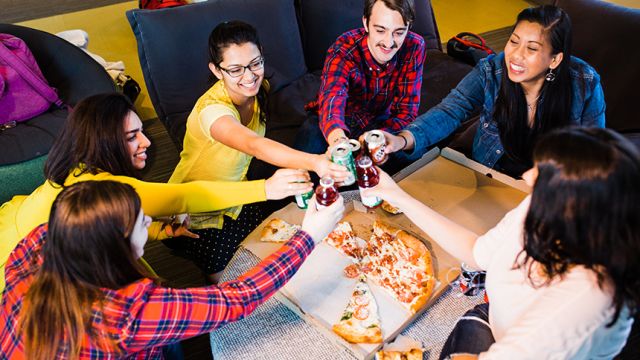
x=225 y=130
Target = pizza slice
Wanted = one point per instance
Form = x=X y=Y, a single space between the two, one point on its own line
x=360 y=322
x=278 y=230
x=413 y=354
x=401 y=264
x=344 y=240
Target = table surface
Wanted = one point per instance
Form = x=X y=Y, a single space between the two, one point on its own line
x=274 y=331
x=460 y=192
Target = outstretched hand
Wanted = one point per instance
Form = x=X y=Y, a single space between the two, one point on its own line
x=319 y=223
x=394 y=142
x=387 y=189
x=182 y=229
x=325 y=167
x=287 y=182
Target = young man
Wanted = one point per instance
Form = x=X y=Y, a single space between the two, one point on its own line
x=371 y=78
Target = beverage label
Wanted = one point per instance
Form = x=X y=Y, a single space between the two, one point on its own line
x=369 y=201
x=341 y=154
x=302 y=200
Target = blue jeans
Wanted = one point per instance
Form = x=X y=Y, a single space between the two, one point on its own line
x=471 y=335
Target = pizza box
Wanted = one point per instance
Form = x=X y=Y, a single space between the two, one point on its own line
x=463 y=190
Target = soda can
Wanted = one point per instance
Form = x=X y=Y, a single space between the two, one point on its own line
x=342 y=154
x=355 y=147
x=471 y=281
x=302 y=200
x=376 y=143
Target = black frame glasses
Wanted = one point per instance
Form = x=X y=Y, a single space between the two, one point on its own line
x=238 y=71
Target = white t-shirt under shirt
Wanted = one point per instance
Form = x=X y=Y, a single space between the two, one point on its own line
x=565 y=320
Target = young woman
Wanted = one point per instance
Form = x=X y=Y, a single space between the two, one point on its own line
x=62 y=301
x=224 y=131
x=103 y=140
x=534 y=86
x=562 y=268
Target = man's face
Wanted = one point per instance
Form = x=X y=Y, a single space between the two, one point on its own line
x=386 y=30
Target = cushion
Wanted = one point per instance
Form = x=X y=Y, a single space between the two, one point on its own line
x=318 y=33
x=441 y=74
x=173 y=50
x=32 y=138
x=616 y=32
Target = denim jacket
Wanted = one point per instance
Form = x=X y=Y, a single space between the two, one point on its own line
x=480 y=88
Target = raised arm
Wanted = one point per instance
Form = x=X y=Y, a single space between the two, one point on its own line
x=452 y=237
x=168 y=315
x=229 y=131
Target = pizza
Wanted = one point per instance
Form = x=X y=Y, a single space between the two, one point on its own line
x=390 y=208
x=344 y=240
x=413 y=354
x=278 y=230
x=360 y=322
x=401 y=264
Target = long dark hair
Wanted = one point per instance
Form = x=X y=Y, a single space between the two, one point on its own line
x=237 y=33
x=585 y=210
x=554 y=103
x=94 y=136
x=88 y=247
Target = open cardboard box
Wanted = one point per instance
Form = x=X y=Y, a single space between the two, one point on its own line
x=461 y=189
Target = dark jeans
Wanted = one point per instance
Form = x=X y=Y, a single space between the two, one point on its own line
x=471 y=335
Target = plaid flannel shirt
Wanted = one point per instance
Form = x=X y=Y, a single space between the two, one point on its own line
x=356 y=91
x=143 y=316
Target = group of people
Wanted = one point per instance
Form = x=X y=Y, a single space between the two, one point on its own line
x=561 y=267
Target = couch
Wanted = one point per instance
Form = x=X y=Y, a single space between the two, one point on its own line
x=75 y=75
x=295 y=34
x=610 y=48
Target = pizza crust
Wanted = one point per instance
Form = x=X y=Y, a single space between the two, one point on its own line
x=278 y=230
x=371 y=335
x=413 y=354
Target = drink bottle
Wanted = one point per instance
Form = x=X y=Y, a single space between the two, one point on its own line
x=367 y=177
x=326 y=193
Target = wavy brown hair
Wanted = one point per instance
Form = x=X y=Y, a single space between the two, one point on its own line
x=585 y=211
x=87 y=249
x=93 y=136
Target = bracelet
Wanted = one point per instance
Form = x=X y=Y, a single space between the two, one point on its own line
x=405 y=141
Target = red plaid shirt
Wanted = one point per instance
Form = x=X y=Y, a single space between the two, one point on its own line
x=143 y=316
x=356 y=90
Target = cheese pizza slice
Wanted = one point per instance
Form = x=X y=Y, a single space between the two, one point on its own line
x=360 y=322
x=401 y=264
x=278 y=230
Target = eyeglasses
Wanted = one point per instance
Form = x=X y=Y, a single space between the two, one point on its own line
x=238 y=71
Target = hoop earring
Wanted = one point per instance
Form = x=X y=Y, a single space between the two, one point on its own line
x=550 y=76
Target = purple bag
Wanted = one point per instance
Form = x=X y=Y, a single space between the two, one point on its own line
x=24 y=92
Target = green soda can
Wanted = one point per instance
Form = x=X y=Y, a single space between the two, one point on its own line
x=341 y=154
x=302 y=200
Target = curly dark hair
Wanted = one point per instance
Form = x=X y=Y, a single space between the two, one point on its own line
x=585 y=210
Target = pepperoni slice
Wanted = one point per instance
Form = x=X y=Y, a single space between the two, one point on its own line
x=361 y=300
x=352 y=271
x=366 y=268
x=361 y=313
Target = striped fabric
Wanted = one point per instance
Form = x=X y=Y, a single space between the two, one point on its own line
x=142 y=317
x=355 y=89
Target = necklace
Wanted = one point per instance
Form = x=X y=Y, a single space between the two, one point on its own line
x=532 y=104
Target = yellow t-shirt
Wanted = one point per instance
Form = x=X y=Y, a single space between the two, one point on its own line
x=204 y=158
x=23 y=213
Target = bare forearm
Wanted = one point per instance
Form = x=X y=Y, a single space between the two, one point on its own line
x=281 y=155
x=452 y=237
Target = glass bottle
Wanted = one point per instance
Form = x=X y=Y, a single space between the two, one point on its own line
x=367 y=177
x=326 y=193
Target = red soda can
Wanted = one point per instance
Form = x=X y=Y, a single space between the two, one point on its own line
x=376 y=143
